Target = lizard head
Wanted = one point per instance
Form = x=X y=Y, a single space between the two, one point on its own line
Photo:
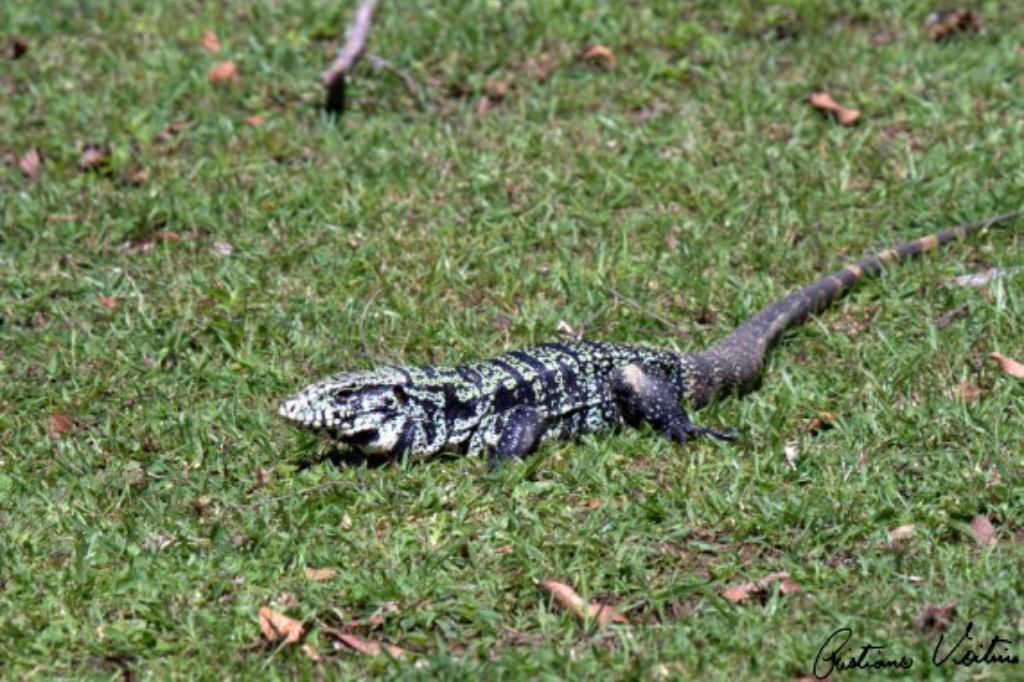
x=368 y=410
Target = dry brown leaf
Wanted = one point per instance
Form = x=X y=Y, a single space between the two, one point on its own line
x=1009 y=365
x=738 y=594
x=312 y=653
x=108 y=302
x=505 y=549
x=16 y=48
x=61 y=423
x=823 y=102
x=320 y=575
x=567 y=597
x=223 y=72
x=935 y=618
x=823 y=422
x=95 y=157
x=983 y=531
x=788 y=586
x=31 y=163
x=496 y=89
x=210 y=42
x=947 y=23
x=591 y=504
x=900 y=533
x=367 y=647
x=256 y=120
x=277 y=626
x=601 y=56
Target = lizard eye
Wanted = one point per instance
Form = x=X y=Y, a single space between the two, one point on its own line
x=400 y=395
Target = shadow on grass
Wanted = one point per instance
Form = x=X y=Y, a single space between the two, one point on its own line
x=342 y=458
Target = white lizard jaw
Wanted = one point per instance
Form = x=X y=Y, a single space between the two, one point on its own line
x=299 y=410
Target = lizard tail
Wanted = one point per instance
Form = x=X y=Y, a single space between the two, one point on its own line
x=735 y=362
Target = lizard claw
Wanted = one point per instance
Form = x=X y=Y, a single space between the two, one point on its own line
x=728 y=434
x=682 y=433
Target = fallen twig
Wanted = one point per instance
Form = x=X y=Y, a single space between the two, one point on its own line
x=348 y=56
x=823 y=102
x=571 y=600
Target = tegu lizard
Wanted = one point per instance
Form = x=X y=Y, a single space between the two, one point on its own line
x=506 y=406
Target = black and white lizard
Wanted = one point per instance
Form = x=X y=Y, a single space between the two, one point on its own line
x=506 y=406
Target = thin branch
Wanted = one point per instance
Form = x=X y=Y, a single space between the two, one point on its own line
x=348 y=56
x=665 y=321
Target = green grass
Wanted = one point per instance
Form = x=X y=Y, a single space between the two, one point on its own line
x=692 y=177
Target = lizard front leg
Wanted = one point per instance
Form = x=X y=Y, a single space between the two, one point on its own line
x=513 y=434
x=646 y=396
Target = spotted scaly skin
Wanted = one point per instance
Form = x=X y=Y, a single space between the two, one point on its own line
x=506 y=406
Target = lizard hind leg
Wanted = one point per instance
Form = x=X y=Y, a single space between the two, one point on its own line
x=514 y=434
x=646 y=396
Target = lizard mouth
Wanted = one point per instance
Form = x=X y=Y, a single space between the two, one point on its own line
x=299 y=411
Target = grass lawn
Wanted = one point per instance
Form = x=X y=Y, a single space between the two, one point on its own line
x=188 y=252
